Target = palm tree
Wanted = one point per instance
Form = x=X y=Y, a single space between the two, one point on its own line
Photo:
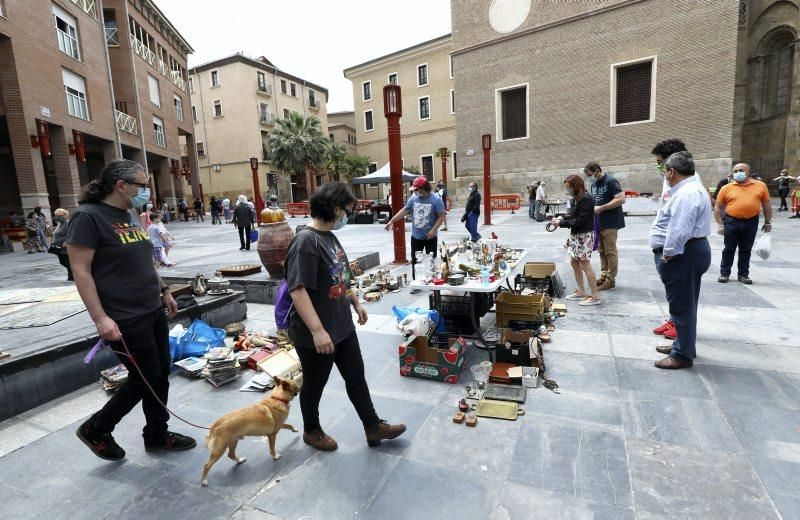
x=336 y=160
x=355 y=166
x=296 y=146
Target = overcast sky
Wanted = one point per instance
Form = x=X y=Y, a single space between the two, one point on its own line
x=313 y=39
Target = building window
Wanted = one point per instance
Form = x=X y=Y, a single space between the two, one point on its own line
x=366 y=91
x=424 y=108
x=201 y=149
x=75 y=88
x=66 y=32
x=263 y=110
x=450 y=61
x=783 y=91
x=368 y=123
x=422 y=75
x=427 y=166
x=392 y=78
x=191 y=85
x=2 y=8
x=217 y=108
x=262 y=81
x=330 y=136
x=178 y=102
x=194 y=113
x=373 y=167
x=214 y=78
x=158 y=127
x=283 y=86
x=293 y=89
x=155 y=97
x=286 y=113
x=633 y=91
x=312 y=98
x=452 y=101
x=455 y=166
x=110 y=26
x=511 y=107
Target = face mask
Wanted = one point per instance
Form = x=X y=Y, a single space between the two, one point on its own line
x=471 y=189
x=590 y=174
x=339 y=224
x=141 y=198
x=739 y=176
x=661 y=168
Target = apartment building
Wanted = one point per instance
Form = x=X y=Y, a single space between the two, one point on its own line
x=429 y=101
x=342 y=130
x=235 y=102
x=559 y=84
x=80 y=86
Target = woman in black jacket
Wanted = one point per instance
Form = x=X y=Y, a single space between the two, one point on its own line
x=244 y=217
x=581 y=239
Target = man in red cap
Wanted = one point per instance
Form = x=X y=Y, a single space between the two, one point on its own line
x=427 y=214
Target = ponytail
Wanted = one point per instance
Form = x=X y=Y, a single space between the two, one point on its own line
x=99 y=189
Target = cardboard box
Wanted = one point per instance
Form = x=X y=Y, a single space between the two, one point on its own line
x=418 y=359
x=519 y=353
x=530 y=307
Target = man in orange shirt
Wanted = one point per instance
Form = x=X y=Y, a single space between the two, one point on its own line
x=742 y=201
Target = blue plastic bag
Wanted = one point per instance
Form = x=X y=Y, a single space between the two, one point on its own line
x=433 y=314
x=199 y=337
x=253 y=235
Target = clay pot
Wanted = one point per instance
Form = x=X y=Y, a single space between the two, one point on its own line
x=273 y=244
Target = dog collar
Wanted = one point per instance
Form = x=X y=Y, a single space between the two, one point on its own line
x=284 y=401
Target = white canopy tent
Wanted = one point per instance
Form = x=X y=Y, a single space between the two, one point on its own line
x=382 y=176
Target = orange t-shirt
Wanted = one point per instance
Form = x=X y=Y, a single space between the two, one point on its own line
x=743 y=200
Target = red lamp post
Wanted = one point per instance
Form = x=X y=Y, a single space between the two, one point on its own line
x=443 y=154
x=393 y=110
x=486 y=142
x=257 y=190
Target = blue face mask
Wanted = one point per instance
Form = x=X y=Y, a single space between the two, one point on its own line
x=142 y=197
x=339 y=224
x=739 y=176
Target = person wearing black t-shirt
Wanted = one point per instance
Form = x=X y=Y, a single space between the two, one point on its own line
x=112 y=262
x=320 y=324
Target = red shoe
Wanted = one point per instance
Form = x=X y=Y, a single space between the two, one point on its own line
x=663 y=328
x=671 y=333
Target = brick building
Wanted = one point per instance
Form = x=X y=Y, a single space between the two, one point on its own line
x=91 y=85
x=559 y=84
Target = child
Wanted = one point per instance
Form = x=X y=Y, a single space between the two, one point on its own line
x=160 y=239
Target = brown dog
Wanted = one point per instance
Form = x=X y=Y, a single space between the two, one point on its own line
x=264 y=418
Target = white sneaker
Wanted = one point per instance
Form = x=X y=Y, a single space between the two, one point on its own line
x=575 y=296
x=590 y=301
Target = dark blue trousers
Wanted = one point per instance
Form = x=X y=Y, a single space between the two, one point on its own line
x=681 y=278
x=472 y=225
x=739 y=233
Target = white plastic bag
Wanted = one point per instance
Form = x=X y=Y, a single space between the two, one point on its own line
x=416 y=324
x=764 y=246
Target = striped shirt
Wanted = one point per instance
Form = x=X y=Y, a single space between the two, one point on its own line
x=685 y=215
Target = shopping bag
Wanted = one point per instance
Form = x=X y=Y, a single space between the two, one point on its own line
x=764 y=246
x=198 y=338
x=253 y=235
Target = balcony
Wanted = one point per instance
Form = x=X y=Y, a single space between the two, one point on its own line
x=267 y=119
x=313 y=104
x=178 y=113
x=264 y=89
x=89 y=6
x=127 y=123
x=163 y=69
x=176 y=78
x=142 y=50
x=161 y=138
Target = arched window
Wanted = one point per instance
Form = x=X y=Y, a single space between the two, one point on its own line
x=784 y=79
x=770 y=82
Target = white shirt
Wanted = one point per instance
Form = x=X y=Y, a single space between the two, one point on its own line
x=540 y=193
x=686 y=215
x=226 y=203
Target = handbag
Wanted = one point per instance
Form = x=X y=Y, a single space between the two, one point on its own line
x=55 y=250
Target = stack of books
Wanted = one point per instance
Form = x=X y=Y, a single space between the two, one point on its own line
x=112 y=378
x=258 y=383
x=222 y=366
x=192 y=366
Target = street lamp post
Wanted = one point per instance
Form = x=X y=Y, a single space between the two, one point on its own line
x=443 y=155
x=257 y=190
x=486 y=142
x=393 y=110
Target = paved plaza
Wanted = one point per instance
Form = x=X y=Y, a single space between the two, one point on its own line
x=621 y=439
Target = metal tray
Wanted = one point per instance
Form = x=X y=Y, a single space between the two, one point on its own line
x=498 y=409
x=502 y=392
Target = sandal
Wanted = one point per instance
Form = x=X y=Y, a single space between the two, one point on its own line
x=576 y=296
x=590 y=300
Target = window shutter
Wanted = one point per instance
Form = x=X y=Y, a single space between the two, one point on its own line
x=633 y=92
x=515 y=116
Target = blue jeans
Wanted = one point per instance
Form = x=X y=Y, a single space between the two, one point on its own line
x=472 y=225
x=681 y=278
x=739 y=233
x=43 y=239
x=531 y=208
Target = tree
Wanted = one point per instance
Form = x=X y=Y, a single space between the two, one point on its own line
x=335 y=161
x=355 y=166
x=447 y=153
x=296 y=145
x=411 y=169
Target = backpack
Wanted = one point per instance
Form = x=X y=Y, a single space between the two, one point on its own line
x=283 y=300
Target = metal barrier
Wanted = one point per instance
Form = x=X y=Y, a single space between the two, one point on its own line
x=297 y=208
x=504 y=202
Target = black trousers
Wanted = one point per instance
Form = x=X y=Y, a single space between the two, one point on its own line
x=244 y=236
x=783 y=193
x=64 y=260
x=316 y=370
x=428 y=245
x=147 y=338
x=741 y=234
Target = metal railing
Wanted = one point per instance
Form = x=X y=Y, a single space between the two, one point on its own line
x=265 y=89
x=313 y=103
x=162 y=67
x=127 y=123
x=90 y=6
x=177 y=79
x=178 y=112
x=112 y=36
x=267 y=119
x=142 y=50
x=161 y=139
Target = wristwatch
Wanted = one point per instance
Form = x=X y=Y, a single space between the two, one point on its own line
x=164 y=289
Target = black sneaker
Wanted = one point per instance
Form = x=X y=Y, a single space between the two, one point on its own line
x=102 y=445
x=722 y=279
x=172 y=442
x=745 y=280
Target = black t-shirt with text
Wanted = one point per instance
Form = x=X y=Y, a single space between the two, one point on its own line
x=317 y=261
x=603 y=191
x=122 y=267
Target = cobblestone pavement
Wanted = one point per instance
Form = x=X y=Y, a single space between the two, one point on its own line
x=621 y=440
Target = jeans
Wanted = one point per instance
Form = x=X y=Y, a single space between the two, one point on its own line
x=428 y=245
x=608 y=254
x=531 y=208
x=472 y=225
x=198 y=216
x=316 y=369
x=215 y=217
x=147 y=338
x=681 y=277
x=739 y=233
x=227 y=213
x=165 y=216
x=537 y=210
x=244 y=236
x=43 y=239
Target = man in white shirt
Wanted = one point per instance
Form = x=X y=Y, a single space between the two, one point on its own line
x=541 y=196
x=682 y=254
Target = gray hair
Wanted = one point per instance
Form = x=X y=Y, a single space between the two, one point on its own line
x=681 y=162
x=241 y=200
x=117 y=170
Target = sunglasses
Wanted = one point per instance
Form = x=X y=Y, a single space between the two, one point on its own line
x=138 y=184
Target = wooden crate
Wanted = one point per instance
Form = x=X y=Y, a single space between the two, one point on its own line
x=240 y=270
